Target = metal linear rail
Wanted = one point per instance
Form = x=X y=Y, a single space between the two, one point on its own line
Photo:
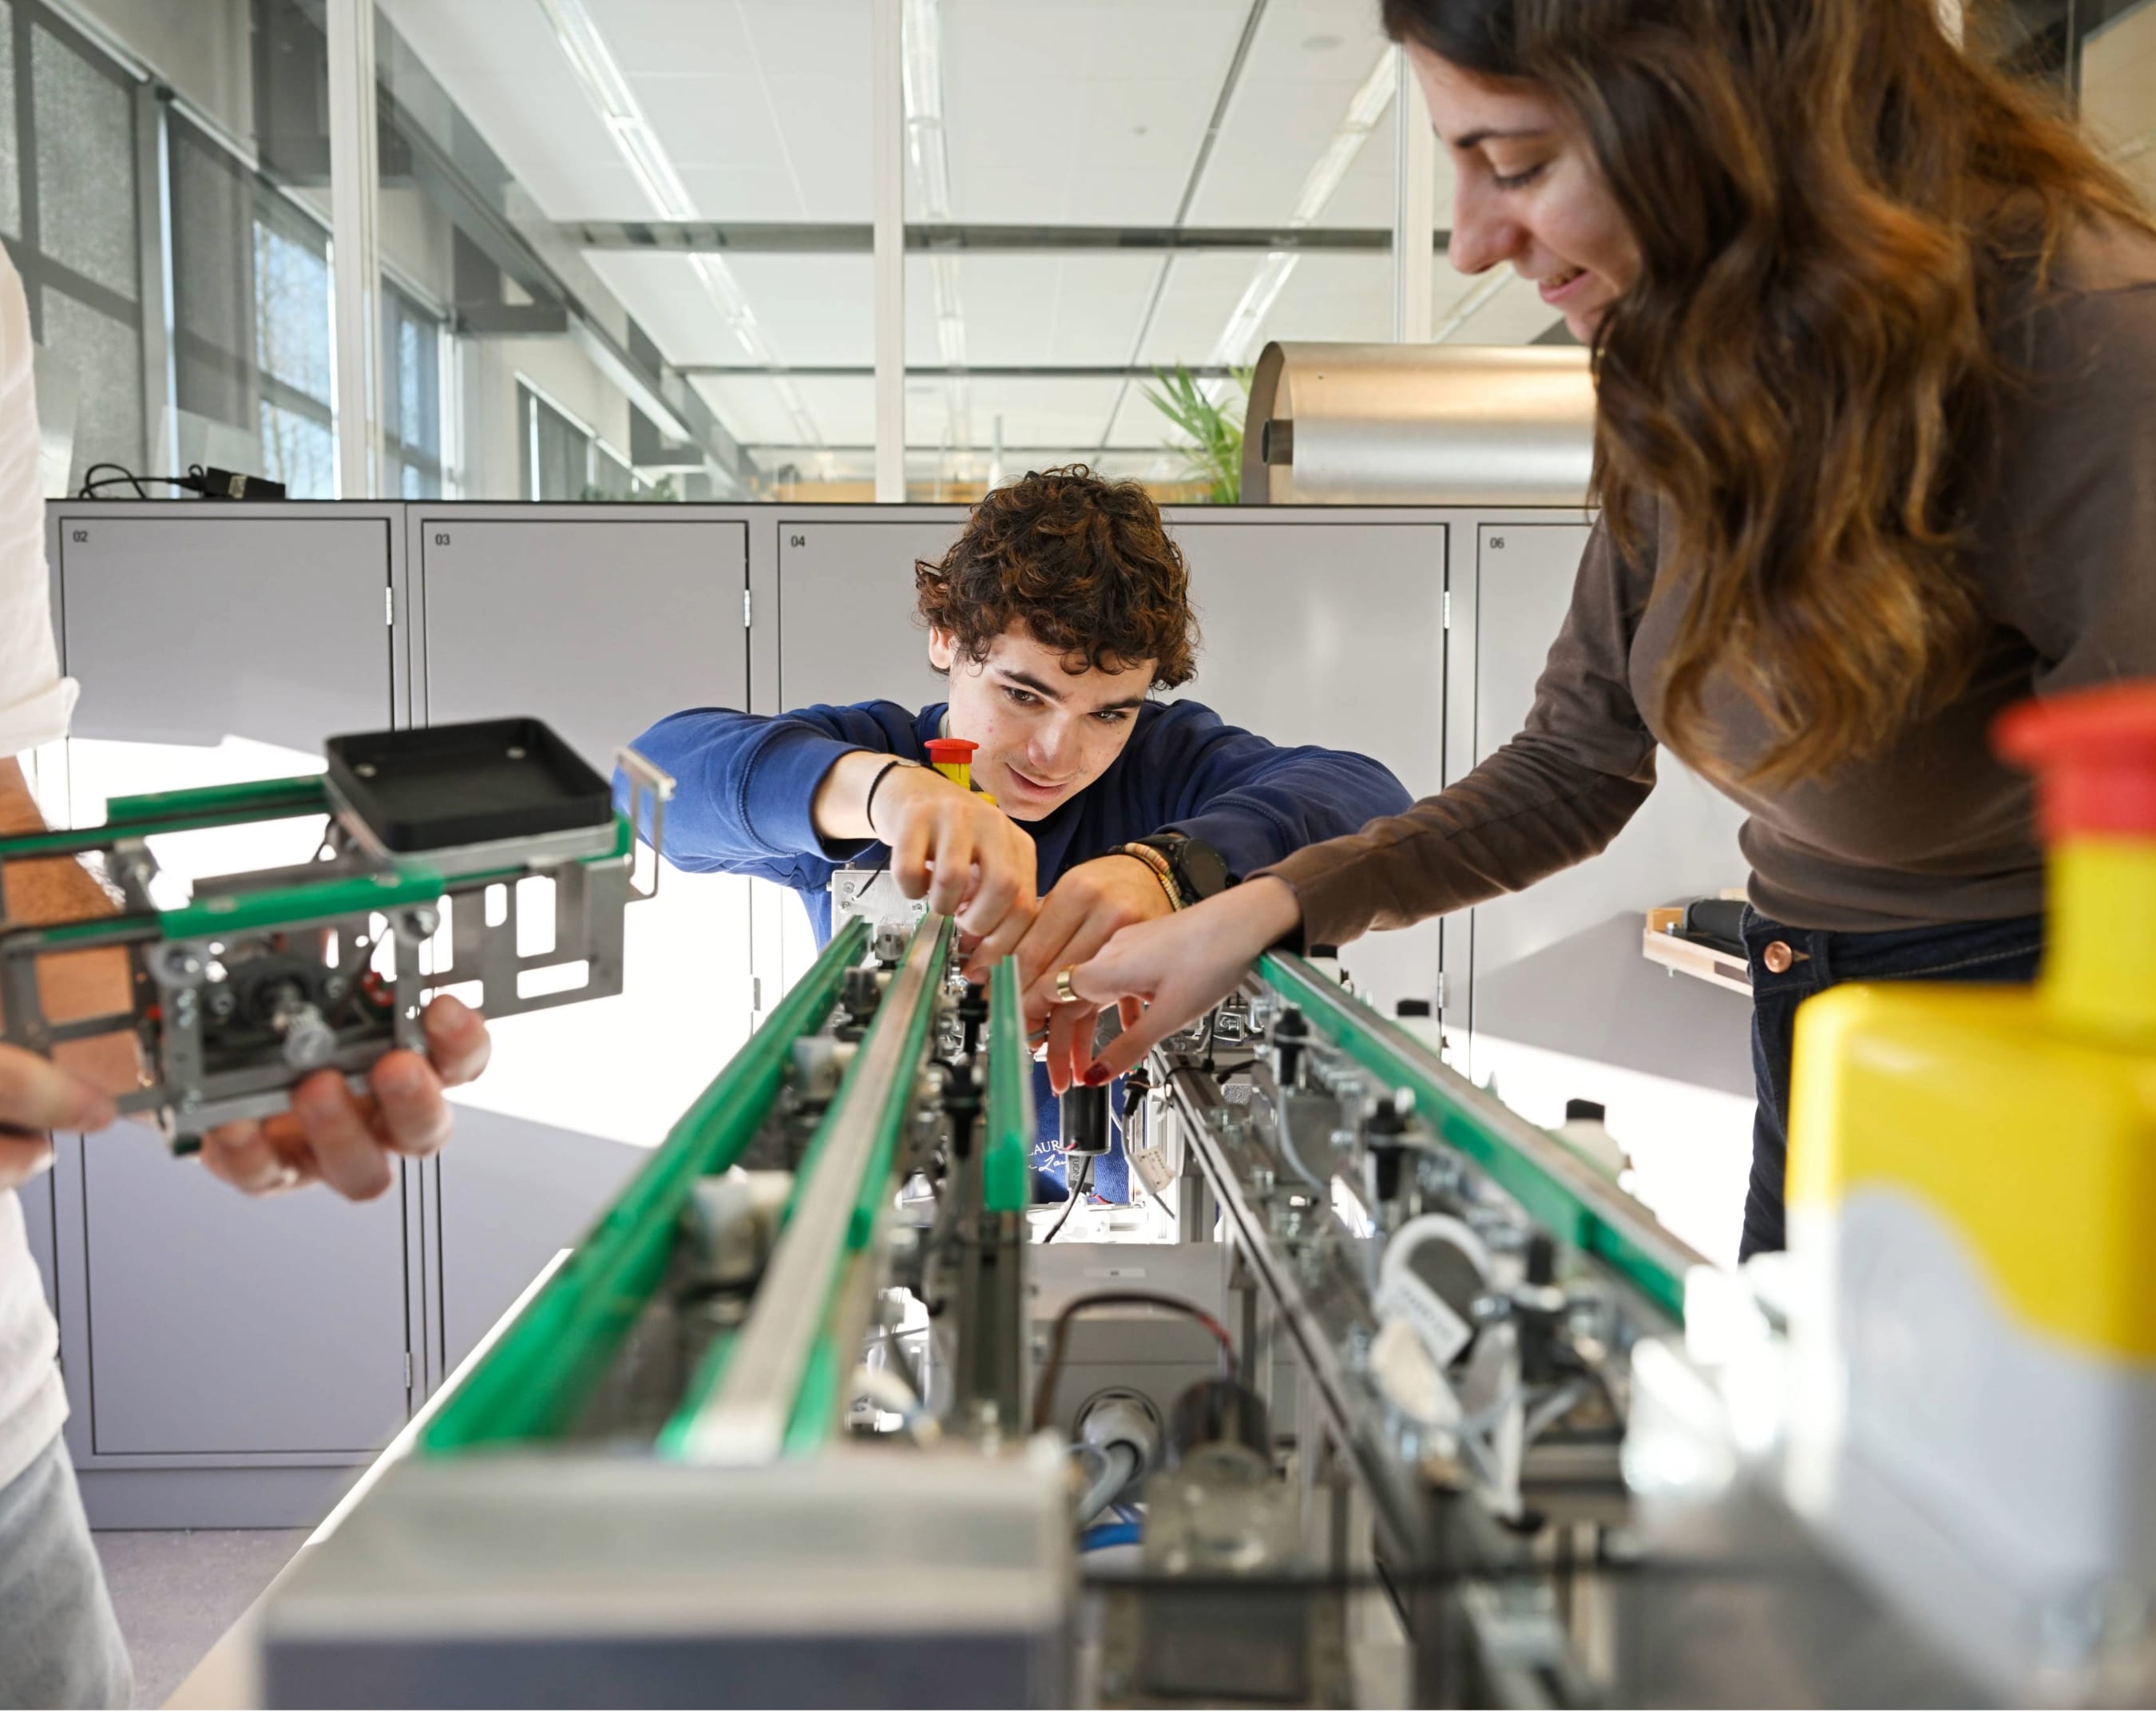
x=535 y=1378
x=1542 y=1176
x=782 y=1353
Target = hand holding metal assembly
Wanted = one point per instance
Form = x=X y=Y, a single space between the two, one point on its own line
x=263 y=980
x=1179 y=968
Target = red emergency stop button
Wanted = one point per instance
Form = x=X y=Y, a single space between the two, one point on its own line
x=2094 y=754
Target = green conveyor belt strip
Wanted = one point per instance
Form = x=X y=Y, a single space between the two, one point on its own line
x=1007 y=1162
x=1523 y=1160
x=537 y=1375
x=311 y=901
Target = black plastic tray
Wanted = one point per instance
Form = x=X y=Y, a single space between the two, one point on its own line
x=449 y=785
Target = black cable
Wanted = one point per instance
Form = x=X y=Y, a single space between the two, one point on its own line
x=191 y=481
x=1077 y=1192
x=89 y=483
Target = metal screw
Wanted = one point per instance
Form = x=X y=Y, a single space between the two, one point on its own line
x=223 y=1003
x=181 y=964
x=189 y=1101
x=365 y=769
x=1489 y=1309
x=335 y=987
x=183 y=1009
x=421 y=920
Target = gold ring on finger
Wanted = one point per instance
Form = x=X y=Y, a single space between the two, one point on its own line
x=1063 y=992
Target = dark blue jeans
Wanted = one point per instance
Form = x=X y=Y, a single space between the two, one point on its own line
x=2004 y=952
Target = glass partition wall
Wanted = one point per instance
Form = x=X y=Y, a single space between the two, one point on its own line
x=625 y=245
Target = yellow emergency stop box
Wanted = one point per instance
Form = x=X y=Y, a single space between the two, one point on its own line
x=1971 y=1197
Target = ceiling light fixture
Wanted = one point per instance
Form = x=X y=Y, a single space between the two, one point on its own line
x=926 y=147
x=1364 y=111
x=601 y=75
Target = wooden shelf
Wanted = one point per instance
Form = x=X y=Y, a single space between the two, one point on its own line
x=1661 y=945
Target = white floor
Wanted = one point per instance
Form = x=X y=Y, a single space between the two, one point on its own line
x=176 y=1592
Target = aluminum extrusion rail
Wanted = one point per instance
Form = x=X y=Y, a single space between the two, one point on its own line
x=836 y=1197
x=532 y=1381
x=1542 y=1176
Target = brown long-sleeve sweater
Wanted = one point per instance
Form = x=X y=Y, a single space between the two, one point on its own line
x=1935 y=830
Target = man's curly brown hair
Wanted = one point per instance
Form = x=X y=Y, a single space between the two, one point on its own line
x=1084 y=562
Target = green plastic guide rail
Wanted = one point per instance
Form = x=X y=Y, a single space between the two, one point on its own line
x=1526 y=1162
x=394 y=885
x=1006 y=1162
x=535 y=1378
x=223 y=805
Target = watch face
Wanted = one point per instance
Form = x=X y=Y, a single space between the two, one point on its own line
x=1202 y=870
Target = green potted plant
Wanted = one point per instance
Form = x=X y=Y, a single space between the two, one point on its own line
x=1214 y=429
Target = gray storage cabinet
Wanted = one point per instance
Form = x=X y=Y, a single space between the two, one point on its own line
x=229 y=1360
x=1559 y=966
x=600 y=621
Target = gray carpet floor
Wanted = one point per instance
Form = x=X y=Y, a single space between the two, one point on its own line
x=176 y=1593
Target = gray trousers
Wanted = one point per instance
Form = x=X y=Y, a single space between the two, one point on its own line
x=59 y=1642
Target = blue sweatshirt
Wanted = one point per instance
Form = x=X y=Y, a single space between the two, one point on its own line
x=744 y=786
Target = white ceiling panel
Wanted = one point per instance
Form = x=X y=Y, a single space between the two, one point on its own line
x=843 y=408
x=1079 y=110
x=1333 y=296
x=1065 y=413
x=1201 y=294
x=1030 y=309
x=499 y=61
x=825 y=122
x=1307 y=61
x=649 y=38
x=713 y=120
x=665 y=295
x=817 y=311
x=1038 y=412
x=1329 y=296
x=749 y=408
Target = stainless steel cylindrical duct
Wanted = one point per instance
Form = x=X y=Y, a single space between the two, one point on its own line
x=1337 y=422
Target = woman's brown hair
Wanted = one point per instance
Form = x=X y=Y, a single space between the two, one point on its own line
x=1840 y=214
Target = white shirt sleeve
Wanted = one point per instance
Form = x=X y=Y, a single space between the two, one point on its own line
x=35 y=700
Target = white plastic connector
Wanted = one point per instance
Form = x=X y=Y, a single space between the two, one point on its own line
x=1118 y=1418
x=1126 y=1430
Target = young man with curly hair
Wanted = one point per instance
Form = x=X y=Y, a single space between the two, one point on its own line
x=1061 y=609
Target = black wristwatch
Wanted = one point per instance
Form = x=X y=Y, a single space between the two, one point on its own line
x=1200 y=871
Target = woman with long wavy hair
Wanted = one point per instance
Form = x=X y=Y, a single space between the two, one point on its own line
x=1875 y=339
